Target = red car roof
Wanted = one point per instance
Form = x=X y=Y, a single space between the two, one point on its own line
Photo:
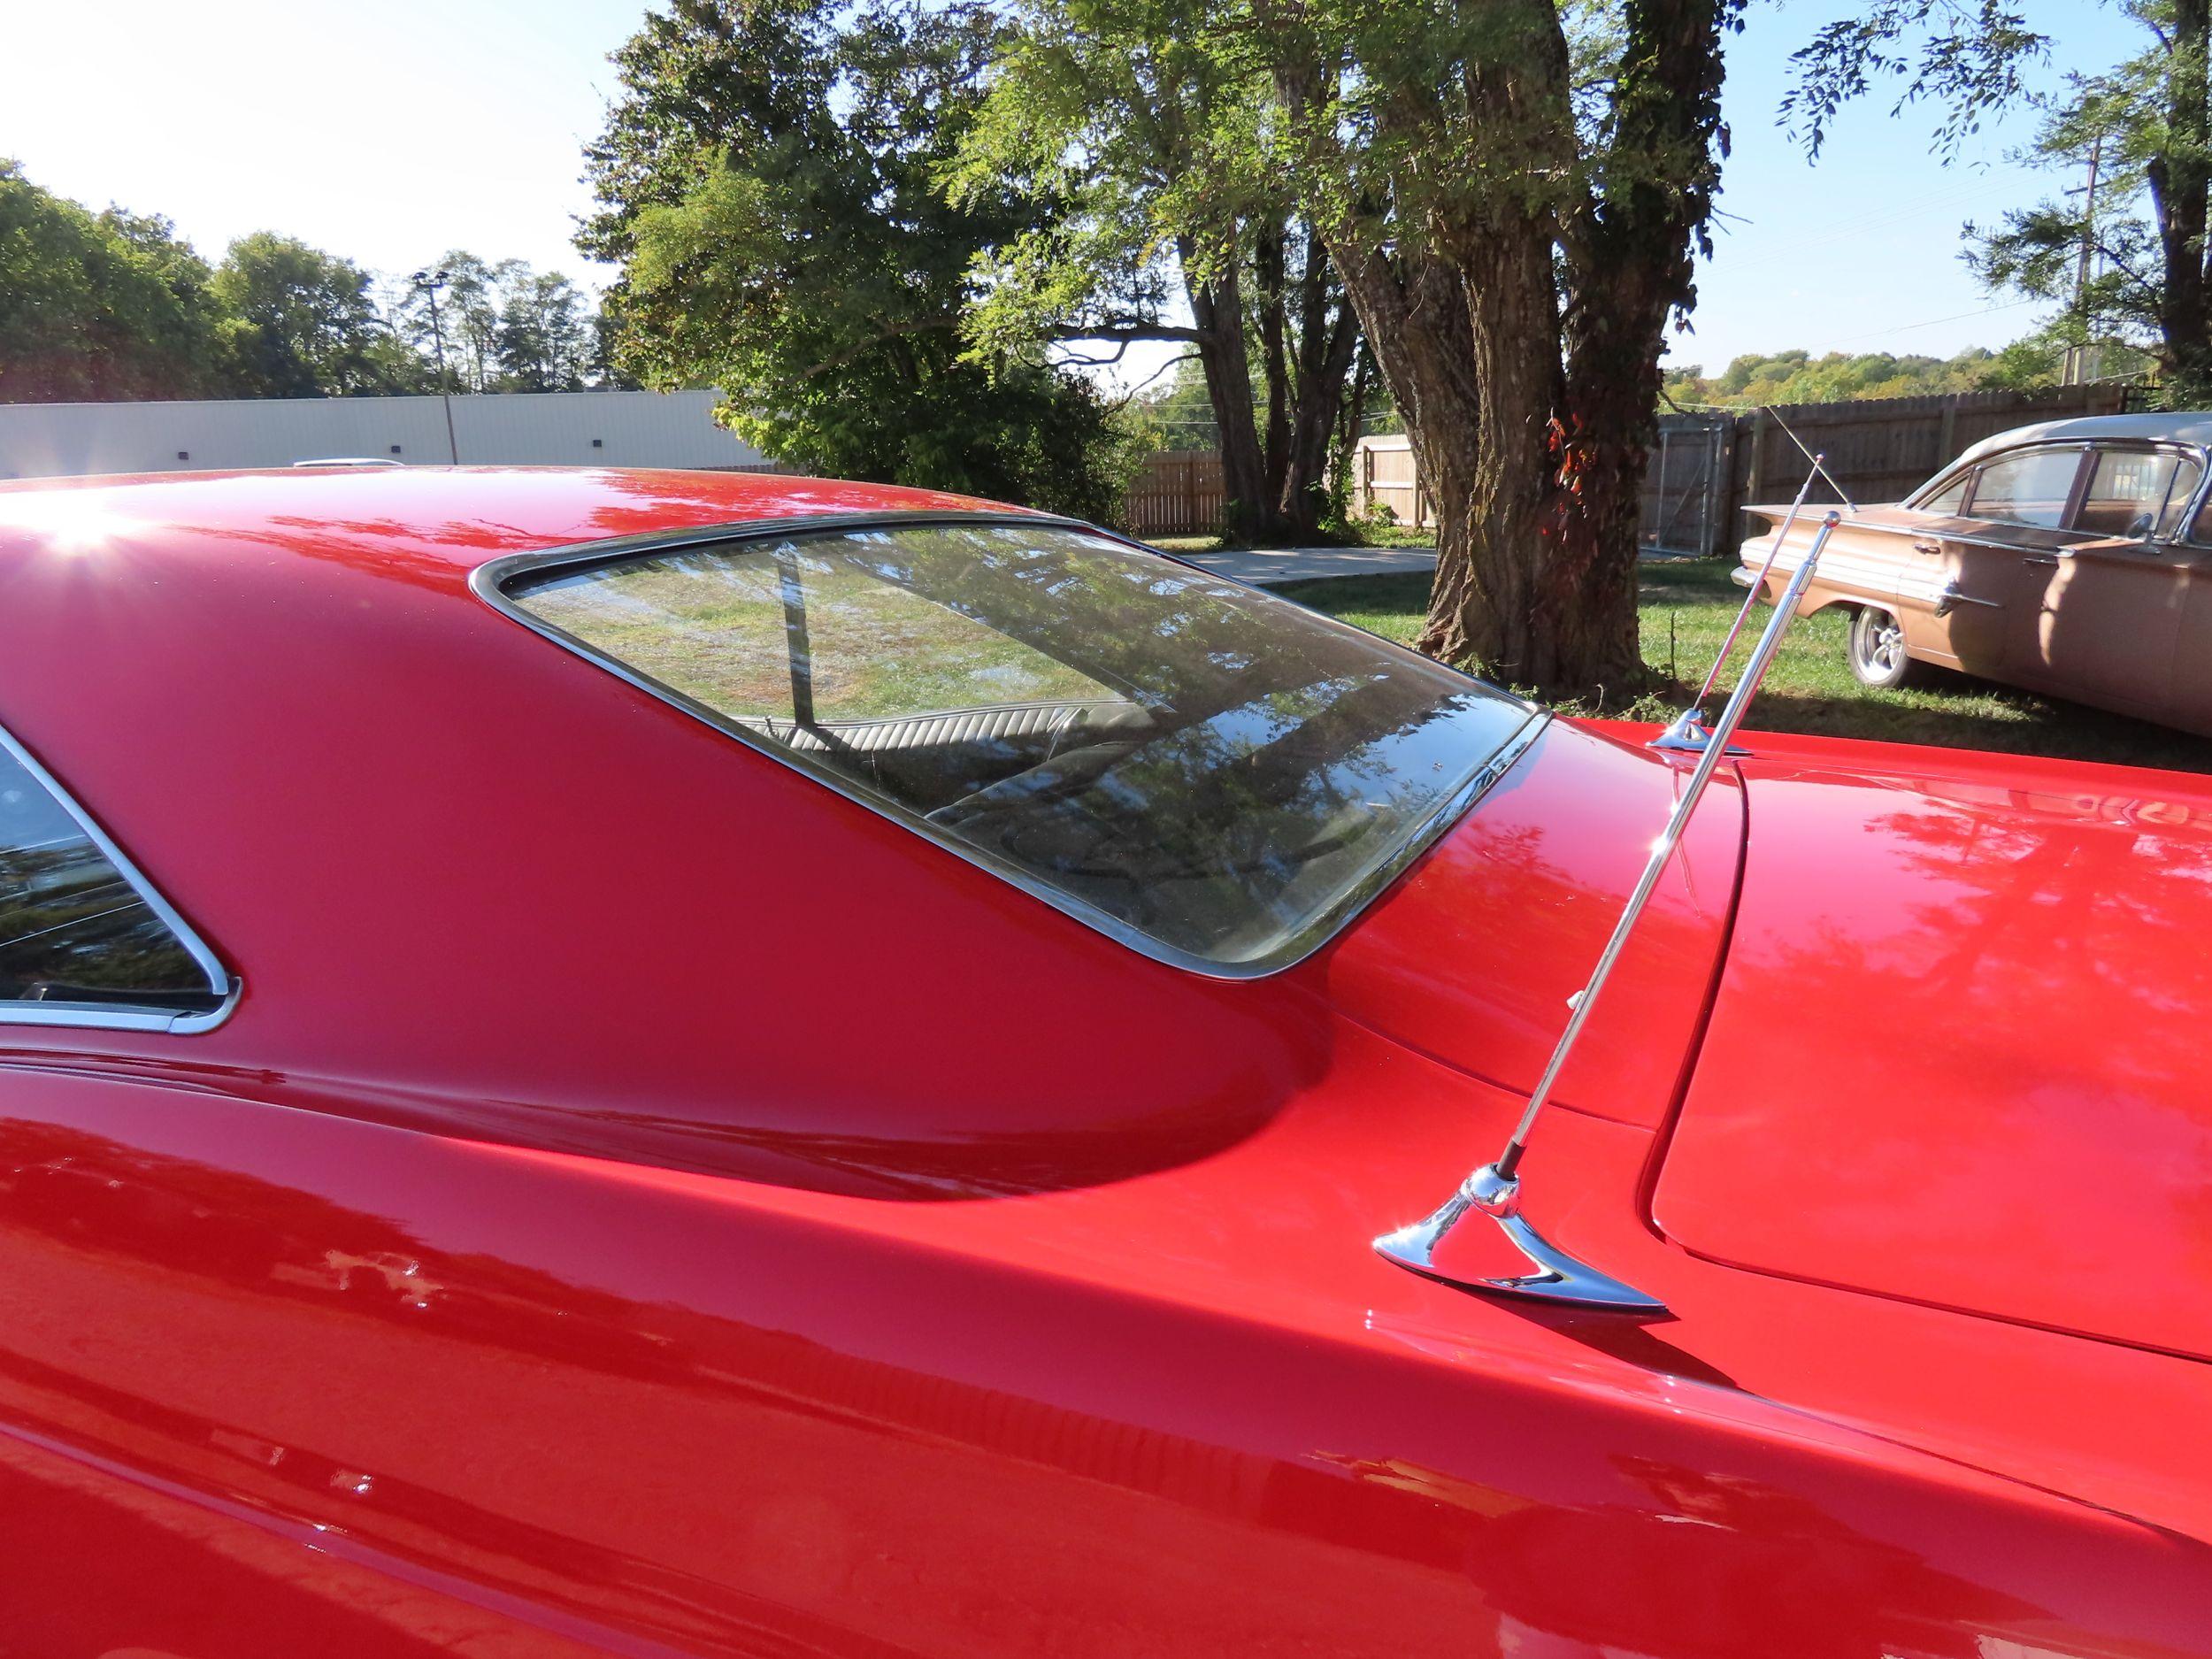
x=421 y=520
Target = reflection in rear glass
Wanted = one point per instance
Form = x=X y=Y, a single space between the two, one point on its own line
x=1219 y=772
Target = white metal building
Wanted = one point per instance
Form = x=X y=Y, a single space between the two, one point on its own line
x=507 y=428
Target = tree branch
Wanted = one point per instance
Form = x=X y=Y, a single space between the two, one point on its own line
x=840 y=358
x=1126 y=330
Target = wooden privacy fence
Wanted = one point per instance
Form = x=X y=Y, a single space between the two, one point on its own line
x=1707 y=465
x=1883 y=449
x=1702 y=468
x=1177 y=493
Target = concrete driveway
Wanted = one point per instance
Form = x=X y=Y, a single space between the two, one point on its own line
x=1264 y=565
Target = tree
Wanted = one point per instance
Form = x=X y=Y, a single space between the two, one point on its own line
x=1512 y=194
x=507 y=327
x=467 y=316
x=2127 y=268
x=1169 y=227
x=310 y=325
x=100 y=307
x=546 y=339
x=604 y=371
x=768 y=184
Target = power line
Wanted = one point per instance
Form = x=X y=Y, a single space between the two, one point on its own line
x=1906 y=328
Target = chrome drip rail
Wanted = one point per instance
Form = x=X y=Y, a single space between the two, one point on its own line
x=1495 y=1189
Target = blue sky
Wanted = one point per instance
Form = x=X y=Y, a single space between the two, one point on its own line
x=1859 y=252
x=390 y=133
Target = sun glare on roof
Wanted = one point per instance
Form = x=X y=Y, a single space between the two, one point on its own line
x=64 y=521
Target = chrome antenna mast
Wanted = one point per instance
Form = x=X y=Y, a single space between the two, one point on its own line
x=1820 y=462
x=1494 y=1190
x=1689 y=731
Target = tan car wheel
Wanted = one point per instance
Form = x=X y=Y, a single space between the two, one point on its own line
x=1877 y=650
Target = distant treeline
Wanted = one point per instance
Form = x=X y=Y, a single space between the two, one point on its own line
x=114 y=305
x=1798 y=377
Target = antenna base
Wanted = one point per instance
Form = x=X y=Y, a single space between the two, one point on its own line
x=1688 y=734
x=1559 y=1277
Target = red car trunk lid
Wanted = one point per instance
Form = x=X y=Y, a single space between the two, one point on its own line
x=1959 y=1053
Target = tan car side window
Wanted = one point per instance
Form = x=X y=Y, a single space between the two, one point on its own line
x=2187 y=476
x=2030 y=488
x=2129 y=489
x=1947 y=504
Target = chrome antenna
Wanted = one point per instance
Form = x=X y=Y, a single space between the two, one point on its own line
x=1494 y=1190
x=1820 y=462
x=1689 y=730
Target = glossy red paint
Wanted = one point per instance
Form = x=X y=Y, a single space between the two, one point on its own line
x=2004 y=977
x=645 y=1203
x=1536 y=880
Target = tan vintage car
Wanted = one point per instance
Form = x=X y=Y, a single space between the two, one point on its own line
x=2073 y=557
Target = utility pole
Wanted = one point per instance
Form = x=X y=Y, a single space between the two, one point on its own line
x=2082 y=361
x=429 y=282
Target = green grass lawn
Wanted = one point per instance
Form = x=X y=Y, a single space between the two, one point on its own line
x=1810 y=688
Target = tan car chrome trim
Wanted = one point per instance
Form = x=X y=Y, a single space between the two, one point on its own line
x=1952 y=596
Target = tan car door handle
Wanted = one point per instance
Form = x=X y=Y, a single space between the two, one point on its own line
x=1951 y=598
x=1927 y=547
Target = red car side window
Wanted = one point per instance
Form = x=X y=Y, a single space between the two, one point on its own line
x=84 y=940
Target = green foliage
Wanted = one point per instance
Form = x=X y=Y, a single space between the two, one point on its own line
x=546 y=341
x=467 y=316
x=1169 y=221
x=99 y=306
x=309 y=323
x=1149 y=139
x=506 y=328
x=1797 y=377
x=2118 y=307
x=114 y=305
x=1965 y=58
x=768 y=183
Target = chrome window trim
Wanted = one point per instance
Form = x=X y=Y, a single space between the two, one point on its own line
x=2199 y=498
x=490 y=579
x=101 y=1016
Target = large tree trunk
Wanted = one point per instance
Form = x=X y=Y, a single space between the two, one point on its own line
x=1218 y=311
x=1523 y=586
x=1530 y=427
x=1328 y=338
x=1273 y=459
x=1630 y=263
x=1351 y=415
x=1268 y=274
x=1467 y=340
x=2179 y=181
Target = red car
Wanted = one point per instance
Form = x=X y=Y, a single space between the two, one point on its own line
x=659 y=1064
